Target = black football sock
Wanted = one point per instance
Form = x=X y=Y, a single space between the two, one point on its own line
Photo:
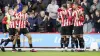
x=2 y=41
x=13 y=46
x=72 y=42
x=7 y=41
x=81 y=42
x=66 y=42
x=62 y=42
x=30 y=45
x=18 y=43
x=76 y=42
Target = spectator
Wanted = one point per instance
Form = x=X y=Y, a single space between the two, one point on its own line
x=33 y=22
x=52 y=10
x=97 y=21
x=46 y=2
x=94 y=6
x=29 y=7
x=98 y=6
x=41 y=24
x=60 y=2
x=90 y=1
x=20 y=6
x=49 y=24
x=1 y=17
x=38 y=6
x=44 y=22
x=25 y=2
x=88 y=25
x=1 y=4
x=86 y=7
x=8 y=2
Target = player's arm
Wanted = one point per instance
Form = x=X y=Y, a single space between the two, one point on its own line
x=4 y=21
x=82 y=18
x=59 y=16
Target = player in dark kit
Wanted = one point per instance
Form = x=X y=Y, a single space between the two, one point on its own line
x=78 y=19
x=66 y=25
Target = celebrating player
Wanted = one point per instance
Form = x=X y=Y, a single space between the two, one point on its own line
x=66 y=23
x=78 y=19
x=22 y=22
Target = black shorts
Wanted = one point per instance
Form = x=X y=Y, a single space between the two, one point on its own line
x=12 y=31
x=66 y=30
x=23 y=31
x=78 y=30
x=4 y=28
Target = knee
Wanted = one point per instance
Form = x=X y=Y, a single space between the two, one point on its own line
x=29 y=36
x=74 y=36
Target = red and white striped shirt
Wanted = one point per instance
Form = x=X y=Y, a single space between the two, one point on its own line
x=12 y=23
x=22 y=20
x=69 y=17
x=64 y=20
x=78 y=18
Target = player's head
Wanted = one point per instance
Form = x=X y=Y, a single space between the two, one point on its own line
x=16 y=8
x=63 y=6
x=10 y=11
x=69 y=4
x=6 y=8
x=25 y=8
x=75 y=5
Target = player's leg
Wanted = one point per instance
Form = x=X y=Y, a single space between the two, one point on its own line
x=62 y=37
x=75 y=40
x=18 y=44
x=75 y=36
x=81 y=42
x=66 y=42
x=72 y=43
x=15 y=36
x=2 y=41
x=6 y=41
x=62 y=42
x=68 y=33
x=18 y=33
x=4 y=28
x=80 y=37
x=27 y=34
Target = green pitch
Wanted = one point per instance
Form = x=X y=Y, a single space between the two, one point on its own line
x=49 y=53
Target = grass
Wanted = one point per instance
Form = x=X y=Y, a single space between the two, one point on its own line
x=48 y=53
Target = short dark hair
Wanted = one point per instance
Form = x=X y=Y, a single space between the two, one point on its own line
x=64 y=5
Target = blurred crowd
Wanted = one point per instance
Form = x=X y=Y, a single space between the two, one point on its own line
x=43 y=14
